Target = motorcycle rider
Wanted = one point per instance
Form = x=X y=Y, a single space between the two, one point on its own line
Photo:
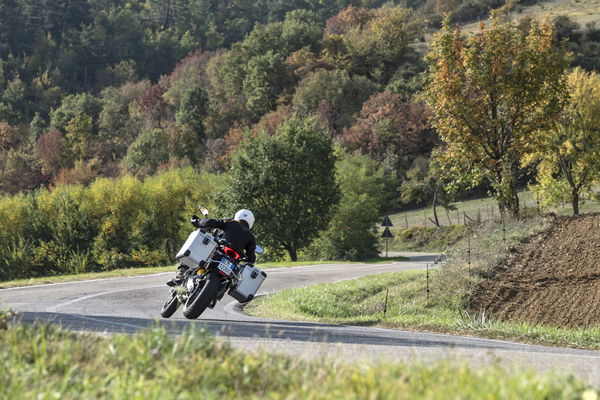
x=236 y=233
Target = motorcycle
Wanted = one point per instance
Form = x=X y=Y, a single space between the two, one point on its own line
x=213 y=269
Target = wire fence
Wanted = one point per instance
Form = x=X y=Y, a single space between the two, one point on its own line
x=480 y=210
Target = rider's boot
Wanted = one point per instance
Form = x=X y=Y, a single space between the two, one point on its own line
x=178 y=279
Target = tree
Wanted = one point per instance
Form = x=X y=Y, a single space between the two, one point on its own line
x=490 y=93
x=568 y=153
x=264 y=80
x=166 y=13
x=11 y=136
x=19 y=170
x=79 y=134
x=425 y=182
x=254 y=72
x=345 y=95
x=192 y=110
x=392 y=130
x=120 y=119
x=370 y=42
x=149 y=150
x=49 y=150
x=71 y=106
x=353 y=231
x=288 y=181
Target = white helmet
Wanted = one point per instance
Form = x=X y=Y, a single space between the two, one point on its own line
x=245 y=215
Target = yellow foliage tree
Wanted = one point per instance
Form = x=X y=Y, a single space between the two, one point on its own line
x=490 y=92
x=568 y=154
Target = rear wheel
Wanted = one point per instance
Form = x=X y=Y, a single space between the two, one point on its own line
x=202 y=296
x=170 y=305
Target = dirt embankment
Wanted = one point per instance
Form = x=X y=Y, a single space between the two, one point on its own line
x=553 y=279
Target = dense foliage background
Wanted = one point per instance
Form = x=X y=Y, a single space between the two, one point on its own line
x=105 y=94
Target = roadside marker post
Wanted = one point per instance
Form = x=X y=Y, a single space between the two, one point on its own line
x=385 y=304
x=387 y=234
x=427 y=275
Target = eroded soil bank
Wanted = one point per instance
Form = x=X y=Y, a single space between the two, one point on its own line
x=552 y=279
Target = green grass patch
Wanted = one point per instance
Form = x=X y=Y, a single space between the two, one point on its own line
x=476 y=209
x=428 y=238
x=43 y=362
x=482 y=209
x=361 y=302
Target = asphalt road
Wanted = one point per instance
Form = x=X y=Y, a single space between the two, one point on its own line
x=131 y=304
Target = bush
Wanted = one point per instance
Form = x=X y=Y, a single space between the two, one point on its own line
x=114 y=223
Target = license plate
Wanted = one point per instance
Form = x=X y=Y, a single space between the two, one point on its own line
x=225 y=266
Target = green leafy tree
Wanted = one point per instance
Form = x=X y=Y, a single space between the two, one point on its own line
x=166 y=13
x=424 y=183
x=337 y=90
x=264 y=80
x=10 y=19
x=568 y=154
x=19 y=170
x=149 y=150
x=373 y=42
x=14 y=105
x=120 y=119
x=73 y=105
x=353 y=231
x=253 y=70
x=490 y=93
x=79 y=134
x=192 y=109
x=288 y=181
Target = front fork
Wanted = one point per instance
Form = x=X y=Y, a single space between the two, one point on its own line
x=189 y=284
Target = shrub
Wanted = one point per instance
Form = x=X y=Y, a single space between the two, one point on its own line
x=113 y=223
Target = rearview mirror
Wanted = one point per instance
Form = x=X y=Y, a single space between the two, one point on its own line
x=203 y=210
x=259 y=250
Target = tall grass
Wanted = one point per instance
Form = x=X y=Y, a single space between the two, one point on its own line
x=43 y=362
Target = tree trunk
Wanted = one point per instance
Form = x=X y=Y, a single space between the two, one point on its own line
x=435 y=216
x=575 y=201
x=292 y=252
x=506 y=191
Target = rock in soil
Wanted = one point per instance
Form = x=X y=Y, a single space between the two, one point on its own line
x=552 y=279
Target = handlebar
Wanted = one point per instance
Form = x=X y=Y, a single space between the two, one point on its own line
x=195 y=221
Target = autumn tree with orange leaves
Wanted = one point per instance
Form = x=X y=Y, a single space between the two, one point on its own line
x=490 y=93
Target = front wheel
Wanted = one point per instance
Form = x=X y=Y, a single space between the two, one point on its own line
x=170 y=305
x=198 y=302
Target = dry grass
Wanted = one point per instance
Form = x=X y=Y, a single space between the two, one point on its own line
x=581 y=11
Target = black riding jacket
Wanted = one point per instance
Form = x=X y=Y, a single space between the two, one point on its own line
x=235 y=233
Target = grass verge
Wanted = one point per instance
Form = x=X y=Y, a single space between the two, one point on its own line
x=421 y=238
x=41 y=361
x=117 y=273
x=362 y=302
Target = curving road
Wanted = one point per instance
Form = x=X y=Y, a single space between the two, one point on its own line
x=131 y=304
